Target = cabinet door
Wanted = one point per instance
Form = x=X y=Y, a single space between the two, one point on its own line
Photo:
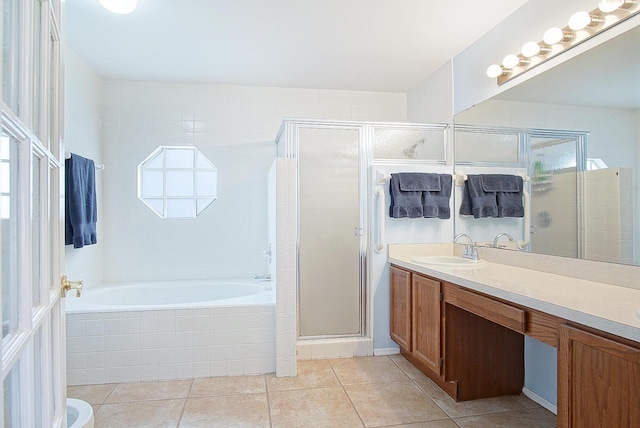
x=426 y=321
x=400 y=286
x=598 y=381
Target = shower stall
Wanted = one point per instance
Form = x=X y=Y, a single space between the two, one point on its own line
x=337 y=272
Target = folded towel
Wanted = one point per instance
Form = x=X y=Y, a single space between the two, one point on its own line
x=81 y=213
x=492 y=195
x=419 y=181
x=476 y=201
x=510 y=201
x=501 y=183
x=403 y=204
x=436 y=203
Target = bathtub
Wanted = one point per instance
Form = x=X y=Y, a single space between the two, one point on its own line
x=149 y=331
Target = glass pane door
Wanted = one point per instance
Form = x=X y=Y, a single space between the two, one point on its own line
x=554 y=196
x=329 y=232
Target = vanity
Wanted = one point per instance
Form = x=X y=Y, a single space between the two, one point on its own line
x=463 y=325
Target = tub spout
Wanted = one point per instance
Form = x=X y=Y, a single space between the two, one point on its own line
x=262 y=278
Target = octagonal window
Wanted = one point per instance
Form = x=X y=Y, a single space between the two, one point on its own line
x=177 y=182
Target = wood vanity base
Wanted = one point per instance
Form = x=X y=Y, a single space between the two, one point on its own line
x=472 y=346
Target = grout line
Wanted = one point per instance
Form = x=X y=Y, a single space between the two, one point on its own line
x=347 y=394
x=266 y=388
x=184 y=405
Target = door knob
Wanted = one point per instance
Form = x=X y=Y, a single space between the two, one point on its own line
x=70 y=285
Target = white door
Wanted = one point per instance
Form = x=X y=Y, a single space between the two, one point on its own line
x=32 y=351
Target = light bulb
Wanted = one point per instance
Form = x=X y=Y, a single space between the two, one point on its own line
x=555 y=35
x=494 y=70
x=510 y=61
x=121 y=7
x=607 y=6
x=530 y=49
x=580 y=20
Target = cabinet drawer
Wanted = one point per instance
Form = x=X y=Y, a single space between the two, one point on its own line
x=501 y=313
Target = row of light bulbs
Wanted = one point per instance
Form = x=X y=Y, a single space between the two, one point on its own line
x=555 y=36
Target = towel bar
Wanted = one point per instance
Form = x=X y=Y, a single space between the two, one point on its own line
x=99 y=166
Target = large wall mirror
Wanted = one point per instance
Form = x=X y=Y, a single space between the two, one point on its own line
x=595 y=194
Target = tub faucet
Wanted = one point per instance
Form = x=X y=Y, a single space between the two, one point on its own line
x=261 y=278
x=500 y=235
x=470 y=249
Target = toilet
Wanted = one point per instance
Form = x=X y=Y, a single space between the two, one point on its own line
x=79 y=414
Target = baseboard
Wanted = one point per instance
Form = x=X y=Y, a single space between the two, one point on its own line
x=386 y=351
x=541 y=401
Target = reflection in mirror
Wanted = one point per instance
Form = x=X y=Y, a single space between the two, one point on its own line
x=177 y=182
x=596 y=95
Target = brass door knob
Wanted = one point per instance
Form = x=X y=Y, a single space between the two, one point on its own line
x=70 y=285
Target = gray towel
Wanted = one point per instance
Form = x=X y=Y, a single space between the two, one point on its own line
x=476 y=201
x=403 y=204
x=436 y=203
x=419 y=181
x=492 y=195
x=80 y=202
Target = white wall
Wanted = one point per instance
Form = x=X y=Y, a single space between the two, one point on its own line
x=83 y=136
x=235 y=128
x=431 y=101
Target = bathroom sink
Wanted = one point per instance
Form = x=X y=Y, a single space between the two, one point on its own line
x=449 y=261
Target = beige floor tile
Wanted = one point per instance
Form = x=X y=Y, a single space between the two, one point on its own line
x=408 y=368
x=92 y=394
x=143 y=414
x=357 y=370
x=526 y=401
x=311 y=374
x=536 y=418
x=126 y=392
x=446 y=423
x=468 y=408
x=318 y=407
x=215 y=386
x=393 y=403
x=245 y=410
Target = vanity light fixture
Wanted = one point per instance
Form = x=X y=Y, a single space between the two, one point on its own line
x=121 y=7
x=581 y=26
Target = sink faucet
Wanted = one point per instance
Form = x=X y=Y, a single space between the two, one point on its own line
x=470 y=249
x=500 y=235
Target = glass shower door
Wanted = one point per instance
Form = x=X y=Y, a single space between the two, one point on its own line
x=555 y=221
x=329 y=247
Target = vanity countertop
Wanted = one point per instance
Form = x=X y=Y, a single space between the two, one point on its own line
x=606 y=307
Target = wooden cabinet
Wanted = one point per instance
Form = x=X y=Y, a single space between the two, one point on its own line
x=598 y=380
x=425 y=322
x=400 y=286
x=472 y=346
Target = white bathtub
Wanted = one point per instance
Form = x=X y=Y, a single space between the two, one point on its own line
x=171 y=295
x=170 y=330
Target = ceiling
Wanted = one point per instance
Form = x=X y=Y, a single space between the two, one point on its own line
x=374 y=45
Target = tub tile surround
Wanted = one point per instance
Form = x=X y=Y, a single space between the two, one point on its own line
x=134 y=346
x=331 y=393
x=600 y=295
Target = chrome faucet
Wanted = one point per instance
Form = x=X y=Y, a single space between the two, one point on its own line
x=500 y=235
x=470 y=249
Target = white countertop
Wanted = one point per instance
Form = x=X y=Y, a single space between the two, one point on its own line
x=606 y=307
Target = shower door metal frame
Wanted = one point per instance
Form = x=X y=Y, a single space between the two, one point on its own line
x=291 y=130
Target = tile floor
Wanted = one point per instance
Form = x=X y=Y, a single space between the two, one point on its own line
x=354 y=392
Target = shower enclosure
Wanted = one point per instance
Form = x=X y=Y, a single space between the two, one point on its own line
x=331 y=247
x=337 y=271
